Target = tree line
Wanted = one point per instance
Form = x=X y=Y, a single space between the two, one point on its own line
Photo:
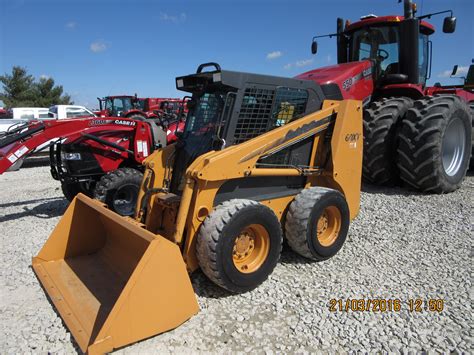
x=21 y=89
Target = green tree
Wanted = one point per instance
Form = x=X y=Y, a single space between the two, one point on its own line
x=21 y=90
x=46 y=94
x=17 y=88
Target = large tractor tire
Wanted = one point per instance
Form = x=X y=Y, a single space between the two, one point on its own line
x=317 y=223
x=382 y=121
x=119 y=190
x=471 y=162
x=239 y=244
x=435 y=144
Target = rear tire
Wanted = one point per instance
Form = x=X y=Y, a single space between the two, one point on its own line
x=435 y=144
x=239 y=244
x=119 y=190
x=317 y=223
x=381 y=124
x=471 y=162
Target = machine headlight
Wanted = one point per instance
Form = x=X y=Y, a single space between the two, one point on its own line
x=71 y=156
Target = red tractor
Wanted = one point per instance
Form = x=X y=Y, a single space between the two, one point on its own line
x=412 y=133
x=171 y=111
x=100 y=157
x=135 y=107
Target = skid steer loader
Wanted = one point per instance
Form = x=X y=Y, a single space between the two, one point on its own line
x=260 y=157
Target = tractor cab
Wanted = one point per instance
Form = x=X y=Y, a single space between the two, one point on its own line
x=381 y=40
x=397 y=46
x=119 y=105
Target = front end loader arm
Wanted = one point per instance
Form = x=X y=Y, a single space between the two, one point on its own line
x=23 y=140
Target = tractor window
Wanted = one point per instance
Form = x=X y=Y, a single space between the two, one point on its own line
x=379 y=44
x=204 y=116
x=423 y=57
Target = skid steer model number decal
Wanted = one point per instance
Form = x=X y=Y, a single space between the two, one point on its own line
x=352 y=137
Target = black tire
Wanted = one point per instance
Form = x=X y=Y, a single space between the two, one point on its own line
x=137 y=117
x=471 y=162
x=70 y=190
x=382 y=121
x=420 y=151
x=119 y=190
x=302 y=220
x=216 y=244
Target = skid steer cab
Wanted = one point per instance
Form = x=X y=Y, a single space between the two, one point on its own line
x=261 y=158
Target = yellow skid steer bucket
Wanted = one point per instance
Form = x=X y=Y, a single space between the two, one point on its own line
x=112 y=281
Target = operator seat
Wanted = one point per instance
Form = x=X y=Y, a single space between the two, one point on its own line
x=392 y=75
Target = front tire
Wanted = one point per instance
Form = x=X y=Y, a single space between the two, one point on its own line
x=435 y=144
x=71 y=189
x=317 y=223
x=381 y=124
x=239 y=245
x=119 y=190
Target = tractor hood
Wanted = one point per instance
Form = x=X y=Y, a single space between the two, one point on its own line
x=349 y=80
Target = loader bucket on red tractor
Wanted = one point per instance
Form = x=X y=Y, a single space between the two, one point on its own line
x=112 y=281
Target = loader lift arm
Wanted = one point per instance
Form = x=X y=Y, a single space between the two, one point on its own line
x=23 y=140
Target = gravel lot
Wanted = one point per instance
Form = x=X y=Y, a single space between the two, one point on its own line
x=403 y=245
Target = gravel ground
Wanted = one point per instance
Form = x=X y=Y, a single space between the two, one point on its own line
x=403 y=245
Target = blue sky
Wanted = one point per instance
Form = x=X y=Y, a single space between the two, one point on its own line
x=104 y=47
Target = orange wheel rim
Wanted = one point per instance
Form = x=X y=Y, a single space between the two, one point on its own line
x=251 y=248
x=328 y=226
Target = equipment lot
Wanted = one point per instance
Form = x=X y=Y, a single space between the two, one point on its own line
x=403 y=245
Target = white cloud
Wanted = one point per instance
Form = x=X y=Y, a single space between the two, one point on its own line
x=274 y=55
x=462 y=71
x=173 y=18
x=71 y=25
x=298 y=64
x=303 y=62
x=98 y=46
x=44 y=76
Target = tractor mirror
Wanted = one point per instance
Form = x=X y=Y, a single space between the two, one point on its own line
x=449 y=24
x=455 y=70
x=314 y=47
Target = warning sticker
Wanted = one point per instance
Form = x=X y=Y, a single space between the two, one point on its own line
x=140 y=146
x=145 y=149
x=21 y=151
x=12 y=158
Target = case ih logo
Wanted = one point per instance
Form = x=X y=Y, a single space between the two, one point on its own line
x=125 y=123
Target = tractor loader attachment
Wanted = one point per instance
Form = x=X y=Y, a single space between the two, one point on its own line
x=112 y=281
x=252 y=161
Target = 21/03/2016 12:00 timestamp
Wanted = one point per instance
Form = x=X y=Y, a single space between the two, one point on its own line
x=385 y=305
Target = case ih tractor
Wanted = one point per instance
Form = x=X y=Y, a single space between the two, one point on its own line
x=135 y=107
x=100 y=157
x=412 y=133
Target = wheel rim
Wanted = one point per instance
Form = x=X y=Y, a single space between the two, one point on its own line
x=328 y=226
x=251 y=248
x=453 y=146
x=125 y=199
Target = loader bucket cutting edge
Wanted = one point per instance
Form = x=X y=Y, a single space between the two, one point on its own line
x=112 y=281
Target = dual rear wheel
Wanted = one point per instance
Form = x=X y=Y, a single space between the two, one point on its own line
x=240 y=242
x=424 y=143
